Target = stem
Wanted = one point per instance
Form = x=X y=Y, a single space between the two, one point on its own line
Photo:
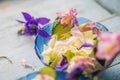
x=105 y=19
x=114 y=65
x=4 y=57
x=106 y=66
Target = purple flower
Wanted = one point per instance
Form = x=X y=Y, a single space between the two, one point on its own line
x=64 y=63
x=82 y=63
x=79 y=65
x=86 y=45
x=34 y=25
x=76 y=72
x=43 y=33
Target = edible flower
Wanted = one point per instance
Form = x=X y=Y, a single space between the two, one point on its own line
x=79 y=65
x=86 y=26
x=108 y=46
x=63 y=64
x=89 y=26
x=33 y=26
x=76 y=72
x=86 y=45
x=68 y=18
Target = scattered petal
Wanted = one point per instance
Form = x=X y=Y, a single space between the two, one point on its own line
x=27 y=65
x=86 y=45
x=63 y=64
x=64 y=61
x=62 y=68
x=87 y=26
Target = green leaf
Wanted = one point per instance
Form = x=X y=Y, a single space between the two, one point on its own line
x=69 y=55
x=21 y=31
x=52 y=58
x=61 y=31
x=48 y=71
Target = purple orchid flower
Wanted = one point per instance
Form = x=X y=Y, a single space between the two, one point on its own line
x=33 y=26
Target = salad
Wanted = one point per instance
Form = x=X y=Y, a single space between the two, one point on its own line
x=71 y=50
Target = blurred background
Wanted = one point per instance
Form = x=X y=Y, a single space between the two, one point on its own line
x=22 y=47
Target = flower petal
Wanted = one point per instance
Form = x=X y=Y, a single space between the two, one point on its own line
x=68 y=18
x=76 y=72
x=62 y=68
x=20 y=21
x=43 y=20
x=108 y=46
x=44 y=34
x=63 y=64
x=86 y=45
x=26 y=16
x=64 y=61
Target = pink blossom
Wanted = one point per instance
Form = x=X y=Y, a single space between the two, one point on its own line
x=69 y=17
x=83 y=62
x=87 y=26
x=108 y=46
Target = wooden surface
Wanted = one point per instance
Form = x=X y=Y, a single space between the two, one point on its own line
x=18 y=47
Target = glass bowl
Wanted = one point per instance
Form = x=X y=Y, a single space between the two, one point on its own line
x=39 y=44
x=40 y=41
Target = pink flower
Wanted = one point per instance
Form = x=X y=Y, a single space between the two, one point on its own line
x=79 y=65
x=69 y=17
x=26 y=64
x=83 y=62
x=87 y=26
x=108 y=46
